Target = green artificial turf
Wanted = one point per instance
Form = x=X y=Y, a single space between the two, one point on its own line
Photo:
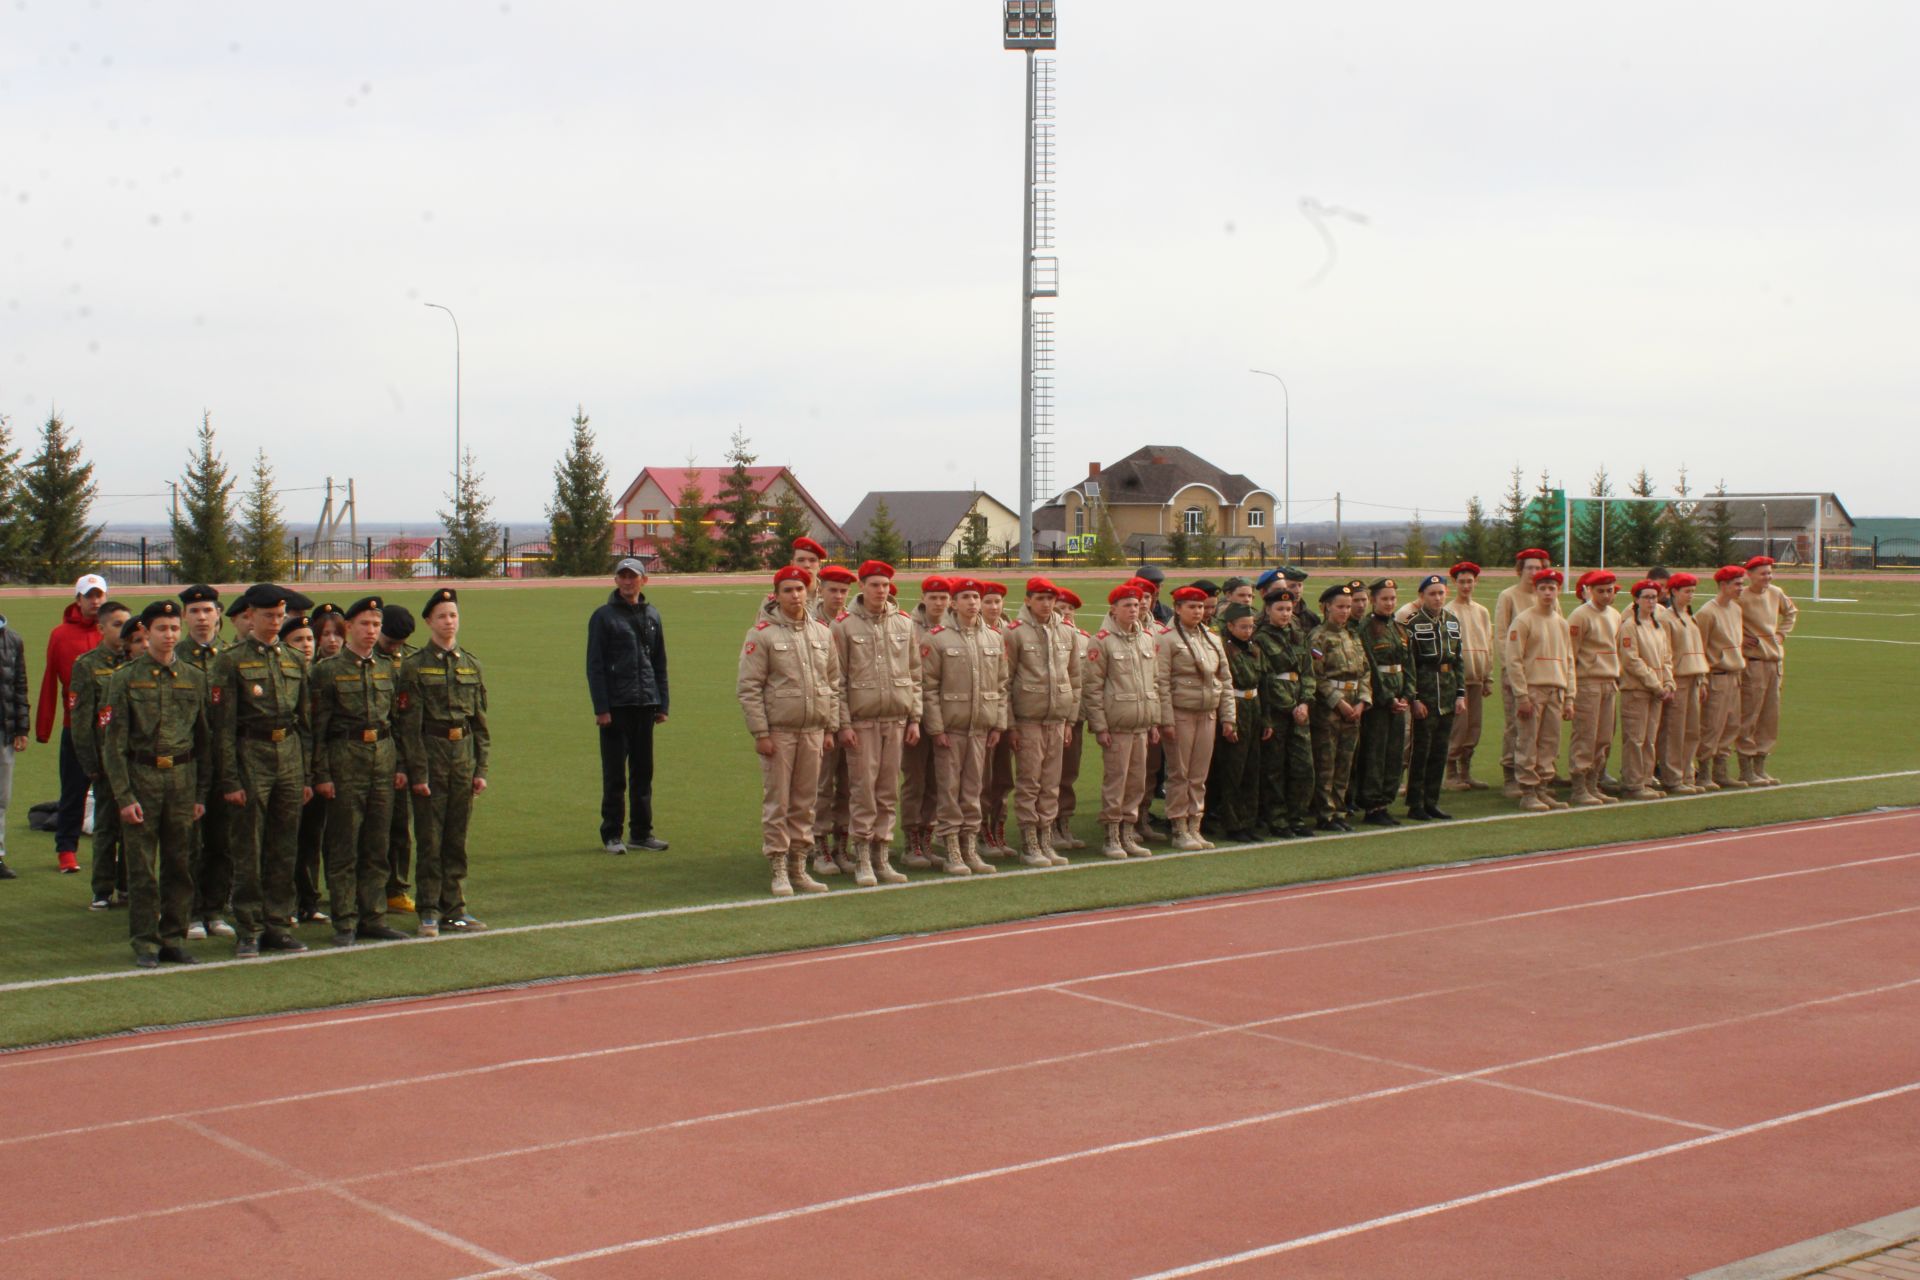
x=536 y=854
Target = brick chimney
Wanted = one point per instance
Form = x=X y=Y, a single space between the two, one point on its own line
x=1093 y=471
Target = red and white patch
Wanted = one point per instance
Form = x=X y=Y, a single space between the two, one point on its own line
x=925 y=650
x=402 y=701
x=73 y=699
x=761 y=625
x=213 y=694
x=751 y=646
x=105 y=717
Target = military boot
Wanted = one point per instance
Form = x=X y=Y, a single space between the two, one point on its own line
x=823 y=862
x=863 y=865
x=1063 y=837
x=1749 y=773
x=878 y=853
x=916 y=848
x=797 y=873
x=1456 y=779
x=1510 y=788
x=1053 y=856
x=1723 y=780
x=970 y=854
x=1113 y=847
x=782 y=887
x=1185 y=838
x=1605 y=783
x=1760 y=772
x=1531 y=801
x=1130 y=841
x=1031 y=853
x=845 y=855
x=953 y=864
x=1196 y=827
x=1584 y=796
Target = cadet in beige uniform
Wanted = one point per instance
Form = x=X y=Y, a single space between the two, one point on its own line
x=1680 y=724
x=880 y=709
x=1646 y=689
x=1722 y=628
x=1594 y=629
x=919 y=797
x=1069 y=800
x=993 y=800
x=1539 y=663
x=833 y=806
x=1768 y=616
x=788 y=686
x=1044 y=691
x=1512 y=602
x=1194 y=689
x=1476 y=664
x=1123 y=715
x=964 y=663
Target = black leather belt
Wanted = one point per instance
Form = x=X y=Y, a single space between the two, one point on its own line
x=265 y=733
x=444 y=729
x=363 y=733
x=163 y=762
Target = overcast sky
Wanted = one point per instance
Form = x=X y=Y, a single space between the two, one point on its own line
x=1636 y=233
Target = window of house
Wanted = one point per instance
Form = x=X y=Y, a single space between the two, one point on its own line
x=1256 y=518
x=1191 y=520
x=652 y=517
x=1079 y=520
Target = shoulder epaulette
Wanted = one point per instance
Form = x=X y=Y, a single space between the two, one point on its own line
x=936 y=631
x=761 y=625
x=1100 y=634
x=842 y=615
x=1013 y=624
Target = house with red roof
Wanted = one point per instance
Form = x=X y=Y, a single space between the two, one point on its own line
x=643 y=516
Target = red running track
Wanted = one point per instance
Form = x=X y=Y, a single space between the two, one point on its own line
x=1637 y=1061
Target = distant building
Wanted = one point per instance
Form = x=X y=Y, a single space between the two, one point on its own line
x=933 y=521
x=1784 y=527
x=1152 y=492
x=643 y=517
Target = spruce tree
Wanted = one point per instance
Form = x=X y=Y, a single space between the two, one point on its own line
x=58 y=497
x=204 y=542
x=1416 y=546
x=471 y=548
x=1206 y=549
x=1543 y=520
x=882 y=541
x=580 y=517
x=1593 y=520
x=1177 y=546
x=1717 y=527
x=13 y=524
x=1681 y=545
x=1640 y=524
x=1513 y=516
x=691 y=548
x=263 y=530
x=739 y=549
x=971 y=552
x=791 y=520
x=1476 y=540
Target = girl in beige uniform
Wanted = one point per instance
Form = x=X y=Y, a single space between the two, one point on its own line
x=1646 y=662
x=1539 y=661
x=1195 y=691
x=1476 y=662
x=1721 y=631
x=1594 y=628
x=1123 y=716
x=1680 y=723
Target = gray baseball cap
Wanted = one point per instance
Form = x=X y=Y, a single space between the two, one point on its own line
x=630 y=565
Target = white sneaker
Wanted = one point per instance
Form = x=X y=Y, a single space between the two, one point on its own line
x=615 y=846
x=196 y=932
x=219 y=928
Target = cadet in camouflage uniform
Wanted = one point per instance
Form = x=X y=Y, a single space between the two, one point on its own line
x=1383 y=732
x=157 y=740
x=1440 y=693
x=212 y=853
x=1343 y=689
x=1286 y=758
x=86 y=691
x=396 y=624
x=356 y=769
x=442 y=705
x=1233 y=789
x=262 y=740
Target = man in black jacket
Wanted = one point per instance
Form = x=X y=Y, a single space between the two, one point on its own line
x=627 y=678
x=15 y=718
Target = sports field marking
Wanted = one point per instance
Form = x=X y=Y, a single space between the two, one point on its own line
x=1531 y=1184
x=1857 y=640
x=618 y=1050
x=446 y=1003
x=171 y=972
x=1854 y=613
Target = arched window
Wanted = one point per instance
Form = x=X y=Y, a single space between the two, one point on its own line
x=1192 y=519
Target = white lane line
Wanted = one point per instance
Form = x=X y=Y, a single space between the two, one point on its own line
x=1855 y=640
x=608 y=1051
x=322 y=954
x=429 y=1005
x=405 y=1221
x=1531 y=1184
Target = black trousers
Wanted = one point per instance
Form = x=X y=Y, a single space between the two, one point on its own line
x=74 y=783
x=626 y=766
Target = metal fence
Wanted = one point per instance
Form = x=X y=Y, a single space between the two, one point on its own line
x=151 y=562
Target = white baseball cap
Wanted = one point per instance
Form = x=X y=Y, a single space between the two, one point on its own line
x=90 y=583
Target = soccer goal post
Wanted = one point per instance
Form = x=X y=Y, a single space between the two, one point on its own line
x=1684 y=508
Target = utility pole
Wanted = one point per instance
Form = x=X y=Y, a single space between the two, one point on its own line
x=1032 y=25
x=1338 y=536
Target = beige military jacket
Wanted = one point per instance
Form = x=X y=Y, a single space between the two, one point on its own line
x=1721 y=632
x=1191 y=673
x=1685 y=642
x=1476 y=640
x=965 y=674
x=1539 y=653
x=1768 y=617
x=789 y=676
x=879 y=665
x=1510 y=604
x=1646 y=658
x=1595 y=635
x=1122 y=691
x=1045 y=674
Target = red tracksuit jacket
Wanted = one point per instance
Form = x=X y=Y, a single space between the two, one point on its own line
x=73 y=637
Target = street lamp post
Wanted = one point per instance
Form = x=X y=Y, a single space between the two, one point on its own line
x=1030 y=25
x=456 y=392
x=1286 y=456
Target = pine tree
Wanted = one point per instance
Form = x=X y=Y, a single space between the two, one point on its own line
x=1476 y=540
x=580 y=517
x=971 y=551
x=1640 y=524
x=691 y=548
x=1718 y=527
x=740 y=507
x=1513 y=517
x=1416 y=547
x=13 y=525
x=58 y=497
x=204 y=547
x=1542 y=523
x=1593 y=522
x=1680 y=542
x=882 y=541
x=471 y=548
x=263 y=531
x=791 y=520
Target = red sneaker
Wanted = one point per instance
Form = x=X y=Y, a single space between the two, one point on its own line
x=69 y=862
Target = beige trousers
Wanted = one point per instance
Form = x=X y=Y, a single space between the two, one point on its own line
x=873 y=777
x=1123 y=777
x=960 y=769
x=993 y=803
x=1510 y=727
x=789 y=781
x=1759 y=706
x=1466 y=727
x=1536 y=742
x=1593 y=724
x=1188 y=758
x=832 y=803
x=1037 y=749
x=918 y=794
x=1639 y=737
x=1680 y=731
x=1070 y=771
x=1720 y=722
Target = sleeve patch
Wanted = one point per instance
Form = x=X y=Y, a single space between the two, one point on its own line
x=214 y=694
x=105 y=717
x=73 y=699
x=751 y=646
x=402 y=701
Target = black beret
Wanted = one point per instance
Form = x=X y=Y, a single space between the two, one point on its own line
x=1234 y=584
x=295 y=622
x=445 y=595
x=200 y=593
x=131 y=627
x=1378 y=585
x=160 y=609
x=239 y=606
x=295 y=602
x=1293 y=574
x=327 y=610
x=1207 y=585
x=395 y=622
x=1150 y=573
x=1278 y=593
x=362 y=605
x=1336 y=590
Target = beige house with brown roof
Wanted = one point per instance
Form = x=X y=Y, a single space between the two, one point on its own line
x=1154 y=491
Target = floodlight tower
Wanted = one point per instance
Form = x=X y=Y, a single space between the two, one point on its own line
x=1030 y=25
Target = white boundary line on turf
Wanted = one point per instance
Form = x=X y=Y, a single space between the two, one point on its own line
x=619 y=1050
x=167 y=972
x=456 y=1002
x=1858 y=640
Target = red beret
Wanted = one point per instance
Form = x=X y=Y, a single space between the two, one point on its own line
x=792 y=573
x=1548 y=575
x=1041 y=587
x=838 y=573
x=1068 y=598
x=875 y=568
x=991 y=588
x=935 y=583
x=1465 y=566
x=1645 y=584
x=808 y=544
x=1600 y=578
x=1144 y=587
x=1189 y=595
x=1729 y=573
x=1680 y=580
x=1758 y=561
x=1531 y=553
x=1129 y=590
x=957 y=585
x=893 y=589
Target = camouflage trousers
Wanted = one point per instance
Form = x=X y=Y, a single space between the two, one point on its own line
x=158 y=850
x=1287 y=773
x=1336 y=741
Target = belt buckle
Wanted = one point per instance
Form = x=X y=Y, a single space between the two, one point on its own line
x=277 y=735
x=163 y=762
x=369 y=735
x=456 y=733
